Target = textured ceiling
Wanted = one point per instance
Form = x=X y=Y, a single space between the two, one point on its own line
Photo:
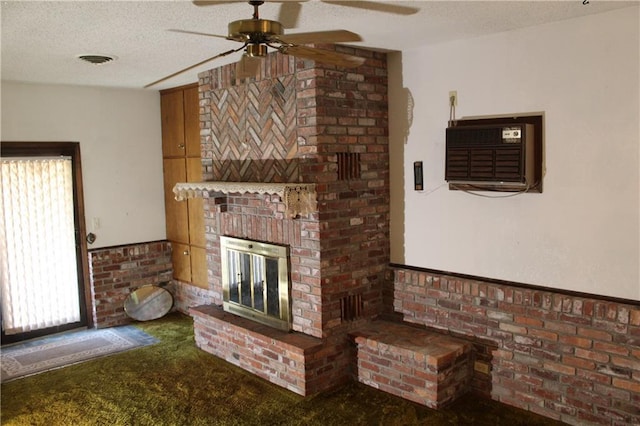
x=41 y=40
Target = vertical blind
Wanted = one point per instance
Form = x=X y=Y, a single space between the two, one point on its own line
x=37 y=237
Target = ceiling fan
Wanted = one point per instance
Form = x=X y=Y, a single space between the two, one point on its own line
x=257 y=35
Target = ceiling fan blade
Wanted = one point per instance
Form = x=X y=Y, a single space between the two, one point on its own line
x=289 y=13
x=247 y=66
x=220 y=55
x=214 y=2
x=196 y=33
x=376 y=6
x=335 y=36
x=324 y=56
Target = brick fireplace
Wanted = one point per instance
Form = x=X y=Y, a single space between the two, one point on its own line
x=298 y=123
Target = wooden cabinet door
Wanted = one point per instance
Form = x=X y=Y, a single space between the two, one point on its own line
x=177 y=214
x=196 y=222
x=196 y=205
x=172 y=110
x=194 y=169
x=192 y=122
x=181 y=259
x=199 y=276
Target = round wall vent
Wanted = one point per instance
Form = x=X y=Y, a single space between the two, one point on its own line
x=97 y=59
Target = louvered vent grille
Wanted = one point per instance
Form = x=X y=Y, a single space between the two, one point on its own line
x=484 y=164
x=474 y=136
x=482 y=154
x=351 y=307
x=348 y=165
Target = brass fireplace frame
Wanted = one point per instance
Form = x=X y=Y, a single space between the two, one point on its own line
x=258 y=253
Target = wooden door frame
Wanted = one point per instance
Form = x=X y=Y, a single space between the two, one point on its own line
x=68 y=149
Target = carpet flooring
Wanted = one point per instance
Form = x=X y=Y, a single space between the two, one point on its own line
x=39 y=355
x=173 y=383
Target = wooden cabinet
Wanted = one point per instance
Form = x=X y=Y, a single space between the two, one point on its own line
x=176 y=212
x=180 y=122
x=181 y=163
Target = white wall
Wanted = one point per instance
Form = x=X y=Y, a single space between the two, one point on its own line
x=583 y=232
x=120 y=142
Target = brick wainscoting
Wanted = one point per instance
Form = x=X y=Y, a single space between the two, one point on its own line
x=568 y=357
x=117 y=271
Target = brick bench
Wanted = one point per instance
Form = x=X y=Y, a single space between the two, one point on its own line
x=423 y=366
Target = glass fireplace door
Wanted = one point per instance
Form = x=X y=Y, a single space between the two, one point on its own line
x=255 y=281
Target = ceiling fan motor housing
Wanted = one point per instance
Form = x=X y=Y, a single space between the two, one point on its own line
x=254 y=30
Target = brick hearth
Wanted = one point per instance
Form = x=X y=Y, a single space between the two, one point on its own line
x=286 y=359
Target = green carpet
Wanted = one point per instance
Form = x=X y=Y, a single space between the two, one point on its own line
x=175 y=383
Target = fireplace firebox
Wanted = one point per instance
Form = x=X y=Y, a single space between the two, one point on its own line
x=255 y=281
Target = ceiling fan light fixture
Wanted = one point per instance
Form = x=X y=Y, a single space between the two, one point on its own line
x=256 y=50
x=97 y=59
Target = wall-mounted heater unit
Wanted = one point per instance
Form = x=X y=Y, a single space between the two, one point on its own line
x=491 y=157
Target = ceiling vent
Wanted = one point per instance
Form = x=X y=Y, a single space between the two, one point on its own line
x=97 y=59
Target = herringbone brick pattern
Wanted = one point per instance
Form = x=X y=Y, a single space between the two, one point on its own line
x=274 y=171
x=253 y=131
